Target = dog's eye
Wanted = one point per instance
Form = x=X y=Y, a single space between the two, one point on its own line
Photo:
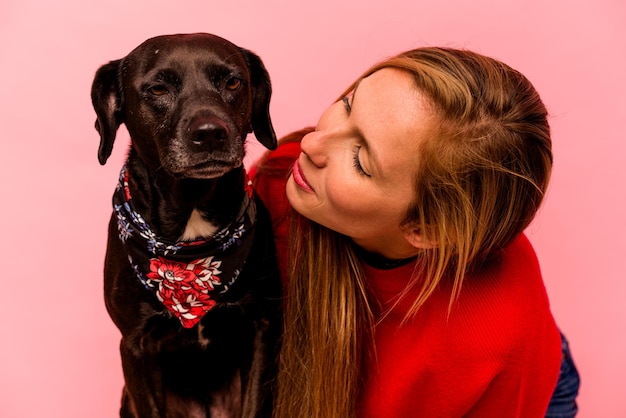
x=233 y=83
x=158 y=90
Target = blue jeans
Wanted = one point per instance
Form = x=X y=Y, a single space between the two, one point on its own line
x=563 y=402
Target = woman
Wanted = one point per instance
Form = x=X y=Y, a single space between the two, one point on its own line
x=412 y=290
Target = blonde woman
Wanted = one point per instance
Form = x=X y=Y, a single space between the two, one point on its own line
x=411 y=289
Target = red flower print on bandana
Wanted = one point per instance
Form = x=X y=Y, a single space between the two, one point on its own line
x=184 y=287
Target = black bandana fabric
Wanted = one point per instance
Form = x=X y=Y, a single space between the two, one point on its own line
x=188 y=277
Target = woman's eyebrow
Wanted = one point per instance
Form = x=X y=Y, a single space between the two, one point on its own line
x=356 y=86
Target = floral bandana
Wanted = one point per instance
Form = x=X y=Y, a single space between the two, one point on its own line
x=188 y=277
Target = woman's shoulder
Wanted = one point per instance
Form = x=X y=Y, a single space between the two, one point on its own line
x=502 y=307
x=510 y=279
x=514 y=274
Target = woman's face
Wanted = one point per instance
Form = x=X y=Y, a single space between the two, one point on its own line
x=356 y=170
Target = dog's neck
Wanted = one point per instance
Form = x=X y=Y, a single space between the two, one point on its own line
x=189 y=277
x=187 y=209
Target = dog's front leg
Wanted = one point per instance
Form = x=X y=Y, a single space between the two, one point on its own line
x=143 y=392
x=258 y=382
x=252 y=381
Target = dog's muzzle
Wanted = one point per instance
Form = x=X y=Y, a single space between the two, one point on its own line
x=205 y=146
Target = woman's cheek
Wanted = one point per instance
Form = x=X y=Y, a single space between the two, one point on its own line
x=349 y=198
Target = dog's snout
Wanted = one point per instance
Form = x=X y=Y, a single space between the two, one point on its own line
x=203 y=129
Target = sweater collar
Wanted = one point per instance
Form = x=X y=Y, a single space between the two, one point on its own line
x=380 y=262
x=187 y=277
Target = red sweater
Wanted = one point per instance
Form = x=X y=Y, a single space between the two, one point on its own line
x=497 y=354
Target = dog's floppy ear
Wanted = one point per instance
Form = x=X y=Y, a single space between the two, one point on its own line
x=106 y=97
x=261 y=93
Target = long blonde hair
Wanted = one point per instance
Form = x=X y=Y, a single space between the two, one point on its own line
x=478 y=184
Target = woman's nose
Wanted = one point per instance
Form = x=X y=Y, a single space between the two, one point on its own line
x=315 y=145
x=331 y=129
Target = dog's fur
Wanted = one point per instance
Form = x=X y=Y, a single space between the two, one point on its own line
x=188 y=102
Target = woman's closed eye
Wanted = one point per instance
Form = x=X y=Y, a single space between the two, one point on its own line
x=357 y=162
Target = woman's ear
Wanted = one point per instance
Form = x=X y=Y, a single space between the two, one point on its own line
x=413 y=234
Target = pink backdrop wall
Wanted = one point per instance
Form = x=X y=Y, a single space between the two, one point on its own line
x=58 y=350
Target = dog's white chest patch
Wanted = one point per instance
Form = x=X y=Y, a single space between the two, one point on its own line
x=197 y=227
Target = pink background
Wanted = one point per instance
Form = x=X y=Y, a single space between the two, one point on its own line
x=58 y=350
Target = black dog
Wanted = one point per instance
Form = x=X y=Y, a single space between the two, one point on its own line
x=190 y=271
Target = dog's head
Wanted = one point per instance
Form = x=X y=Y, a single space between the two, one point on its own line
x=188 y=102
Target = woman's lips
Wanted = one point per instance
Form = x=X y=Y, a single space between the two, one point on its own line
x=299 y=178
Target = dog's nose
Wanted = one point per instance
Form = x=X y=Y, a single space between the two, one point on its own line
x=203 y=129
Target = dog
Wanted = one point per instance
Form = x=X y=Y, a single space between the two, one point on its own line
x=190 y=273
